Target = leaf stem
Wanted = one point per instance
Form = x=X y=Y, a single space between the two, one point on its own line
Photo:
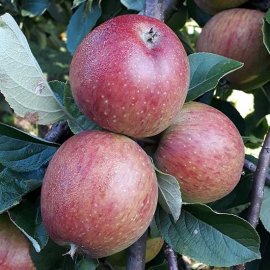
x=171 y=257
x=136 y=254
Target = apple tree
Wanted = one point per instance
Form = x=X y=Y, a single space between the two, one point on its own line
x=134 y=134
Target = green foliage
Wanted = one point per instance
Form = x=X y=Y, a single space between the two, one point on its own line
x=206 y=69
x=169 y=194
x=53 y=31
x=237 y=241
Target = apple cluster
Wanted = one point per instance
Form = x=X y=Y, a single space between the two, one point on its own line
x=131 y=76
x=241 y=39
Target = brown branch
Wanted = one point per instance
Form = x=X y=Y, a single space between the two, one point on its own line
x=259 y=182
x=136 y=254
x=258 y=187
x=171 y=257
x=159 y=9
x=58 y=133
x=263 y=5
x=252 y=167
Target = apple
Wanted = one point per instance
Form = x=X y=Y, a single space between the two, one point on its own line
x=99 y=193
x=237 y=34
x=204 y=151
x=214 y=6
x=14 y=247
x=130 y=75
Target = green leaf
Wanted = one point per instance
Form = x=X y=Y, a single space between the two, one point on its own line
x=21 y=80
x=86 y=264
x=34 y=8
x=266 y=30
x=169 y=194
x=27 y=218
x=209 y=237
x=81 y=22
x=133 y=4
x=15 y=133
x=206 y=69
x=78 y=2
x=14 y=185
x=24 y=156
x=80 y=122
x=52 y=257
x=265 y=209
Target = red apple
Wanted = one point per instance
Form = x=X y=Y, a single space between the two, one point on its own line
x=237 y=34
x=214 y=6
x=14 y=247
x=203 y=149
x=130 y=75
x=99 y=193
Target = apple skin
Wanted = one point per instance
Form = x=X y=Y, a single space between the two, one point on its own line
x=130 y=75
x=204 y=150
x=14 y=247
x=215 y=6
x=99 y=193
x=237 y=34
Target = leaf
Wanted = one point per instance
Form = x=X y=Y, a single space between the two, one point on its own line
x=133 y=4
x=266 y=30
x=14 y=185
x=24 y=156
x=169 y=194
x=15 y=133
x=81 y=22
x=265 y=209
x=206 y=69
x=78 y=2
x=86 y=264
x=21 y=79
x=163 y=266
x=81 y=122
x=209 y=237
x=28 y=219
x=51 y=258
x=34 y=8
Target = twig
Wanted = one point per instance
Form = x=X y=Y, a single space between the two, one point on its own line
x=170 y=257
x=136 y=254
x=258 y=187
x=159 y=9
x=58 y=133
x=252 y=167
x=263 y=5
x=259 y=182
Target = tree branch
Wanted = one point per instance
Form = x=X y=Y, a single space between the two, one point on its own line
x=263 y=5
x=258 y=187
x=259 y=182
x=58 y=133
x=170 y=257
x=159 y=9
x=252 y=167
x=136 y=254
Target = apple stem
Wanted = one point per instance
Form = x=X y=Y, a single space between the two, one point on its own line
x=252 y=167
x=171 y=257
x=260 y=175
x=136 y=254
